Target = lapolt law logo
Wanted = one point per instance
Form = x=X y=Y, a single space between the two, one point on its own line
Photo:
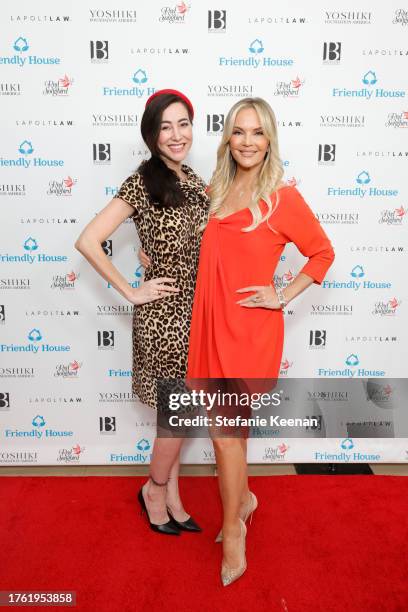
x=26 y=159
x=22 y=58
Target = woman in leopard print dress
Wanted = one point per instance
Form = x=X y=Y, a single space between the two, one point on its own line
x=168 y=204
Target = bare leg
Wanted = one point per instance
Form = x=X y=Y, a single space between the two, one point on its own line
x=232 y=476
x=165 y=452
x=173 y=500
x=245 y=493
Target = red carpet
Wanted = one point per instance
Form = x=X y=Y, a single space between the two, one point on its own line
x=317 y=543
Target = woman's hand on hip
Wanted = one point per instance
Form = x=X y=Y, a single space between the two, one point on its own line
x=262 y=297
x=152 y=290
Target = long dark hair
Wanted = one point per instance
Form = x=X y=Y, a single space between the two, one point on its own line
x=160 y=181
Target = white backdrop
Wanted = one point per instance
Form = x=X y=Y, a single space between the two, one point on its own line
x=74 y=80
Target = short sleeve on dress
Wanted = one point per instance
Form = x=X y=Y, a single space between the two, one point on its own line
x=132 y=192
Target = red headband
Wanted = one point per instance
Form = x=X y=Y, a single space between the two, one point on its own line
x=174 y=92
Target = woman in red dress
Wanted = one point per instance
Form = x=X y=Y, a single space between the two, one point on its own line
x=253 y=215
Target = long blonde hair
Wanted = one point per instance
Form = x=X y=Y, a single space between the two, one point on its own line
x=270 y=175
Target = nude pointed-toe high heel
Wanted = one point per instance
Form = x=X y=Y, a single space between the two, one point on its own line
x=252 y=506
x=231 y=574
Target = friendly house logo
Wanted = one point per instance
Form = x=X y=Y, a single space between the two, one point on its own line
x=21 y=58
x=142 y=455
x=255 y=58
x=34 y=345
x=32 y=254
x=26 y=159
x=354 y=369
x=363 y=188
x=38 y=430
x=347 y=454
x=139 y=88
x=370 y=89
x=356 y=282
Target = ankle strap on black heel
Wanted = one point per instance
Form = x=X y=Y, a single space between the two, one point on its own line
x=158 y=484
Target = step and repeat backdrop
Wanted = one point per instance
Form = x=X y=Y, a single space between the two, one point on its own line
x=74 y=79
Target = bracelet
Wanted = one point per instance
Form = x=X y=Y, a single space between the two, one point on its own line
x=281 y=298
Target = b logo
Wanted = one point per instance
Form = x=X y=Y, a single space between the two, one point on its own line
x=317 y=338
x=107 y=247
x=332 y=52
x=107 y=424
x=99 y=49
x=101 y=153
x=4 y=401
x=217 y=21
x=327 y=153
x=106 y=339
x=215 y=123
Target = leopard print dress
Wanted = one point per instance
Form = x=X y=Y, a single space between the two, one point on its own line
x=170 y=237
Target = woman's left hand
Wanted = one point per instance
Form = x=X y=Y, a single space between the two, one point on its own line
x=264 y=297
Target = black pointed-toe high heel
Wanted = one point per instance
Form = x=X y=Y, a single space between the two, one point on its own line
x=188 y=525
x=169 y=528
